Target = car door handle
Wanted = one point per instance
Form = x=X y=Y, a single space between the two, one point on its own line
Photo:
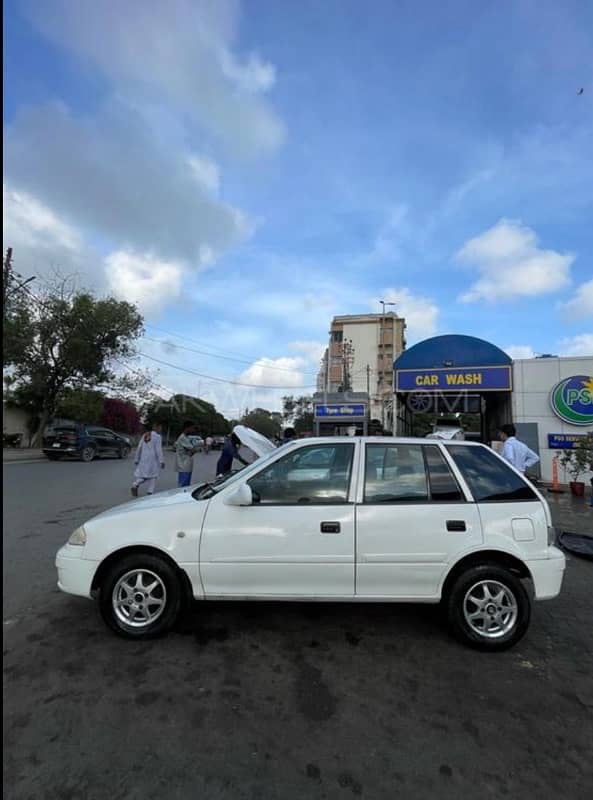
x=330 y=527
x=456 y=525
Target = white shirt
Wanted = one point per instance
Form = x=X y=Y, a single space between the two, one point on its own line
x=518 y=454
x=149 y=457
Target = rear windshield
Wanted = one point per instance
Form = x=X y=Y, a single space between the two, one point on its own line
x=488 y=477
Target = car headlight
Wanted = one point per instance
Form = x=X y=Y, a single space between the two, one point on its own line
x=78 y=537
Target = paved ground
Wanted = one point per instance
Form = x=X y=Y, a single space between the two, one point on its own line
x=271 y=700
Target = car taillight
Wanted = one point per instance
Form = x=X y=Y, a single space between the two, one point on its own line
x=551 y=535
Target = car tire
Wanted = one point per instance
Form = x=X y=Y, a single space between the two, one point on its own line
x=88 y=453
x=141 y=596
x=124 y=452
x=488 y=608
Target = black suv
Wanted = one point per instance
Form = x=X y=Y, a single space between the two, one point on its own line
x=85 y=442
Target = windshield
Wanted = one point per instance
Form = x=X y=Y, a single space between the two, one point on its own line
x=206 y=490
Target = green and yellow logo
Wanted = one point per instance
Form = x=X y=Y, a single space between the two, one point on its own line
x=572 y=400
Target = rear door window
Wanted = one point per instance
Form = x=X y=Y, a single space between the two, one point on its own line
x=443 y=484
x=490 y=480
x=395 y=473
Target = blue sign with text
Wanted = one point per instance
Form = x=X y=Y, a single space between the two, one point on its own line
x=564 y=441
x=455 y=379
x=340 y=410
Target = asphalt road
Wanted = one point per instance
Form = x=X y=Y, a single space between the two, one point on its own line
x=269 y=700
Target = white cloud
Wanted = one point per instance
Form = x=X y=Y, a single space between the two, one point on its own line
x=580 y=306
x=421 y=313
x=181 y=53
x=285 y=371
x=313 y=351
x=511 y=264
x=206 y=172
x=519 y=351
x=143 y=279
x=112 y=178
x=580 y=345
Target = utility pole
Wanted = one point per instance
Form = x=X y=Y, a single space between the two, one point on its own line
x=368 y=379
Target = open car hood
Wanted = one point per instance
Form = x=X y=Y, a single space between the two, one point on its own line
x=254 y=440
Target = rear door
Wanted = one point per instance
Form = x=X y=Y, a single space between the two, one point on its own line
x=412 y=519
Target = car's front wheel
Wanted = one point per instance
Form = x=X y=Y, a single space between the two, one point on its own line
x=141 y=596
x=488 y=608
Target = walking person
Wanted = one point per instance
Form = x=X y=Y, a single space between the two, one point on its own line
x=515 y=452
x=184 y=455
x=148 y=460
x=208 y=444
x=230 y=451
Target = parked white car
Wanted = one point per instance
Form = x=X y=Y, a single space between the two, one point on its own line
x=341 y=519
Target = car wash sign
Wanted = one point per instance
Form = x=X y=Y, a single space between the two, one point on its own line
x=455 y=379
x=572 y=400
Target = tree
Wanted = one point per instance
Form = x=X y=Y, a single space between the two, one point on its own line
x=81 y=405
x=72 y=341
x=121 y=416
x=298 y=412
x=16 y=323
x=268 y=423
x=181 y=408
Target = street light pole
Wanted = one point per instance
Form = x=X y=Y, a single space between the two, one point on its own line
x=383 y=304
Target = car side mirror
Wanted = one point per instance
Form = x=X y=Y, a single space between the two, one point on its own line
x=241 y=496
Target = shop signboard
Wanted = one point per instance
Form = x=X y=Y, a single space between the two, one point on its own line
x=340 y=410
x=564 y=441
x=572 y=400
x=454 y=379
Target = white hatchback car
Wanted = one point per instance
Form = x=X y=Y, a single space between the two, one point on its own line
x=334 y=519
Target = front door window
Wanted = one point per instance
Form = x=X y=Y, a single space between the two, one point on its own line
x=316 y=475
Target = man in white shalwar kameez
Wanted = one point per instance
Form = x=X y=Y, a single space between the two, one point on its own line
x=149 y=460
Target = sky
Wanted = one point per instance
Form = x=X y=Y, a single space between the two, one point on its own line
x=244 y=171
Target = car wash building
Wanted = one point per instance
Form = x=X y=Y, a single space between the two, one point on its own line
x=548 y=399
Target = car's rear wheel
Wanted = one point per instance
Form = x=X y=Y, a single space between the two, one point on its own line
x=488 y=608
x=140 y=597
x=88 y=453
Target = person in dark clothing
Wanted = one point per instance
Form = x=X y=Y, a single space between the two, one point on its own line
x=289 y=436
x=230 y=451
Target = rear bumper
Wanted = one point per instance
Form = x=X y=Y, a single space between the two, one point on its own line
x=547 y=574
x=57 y=450
x=75 y=574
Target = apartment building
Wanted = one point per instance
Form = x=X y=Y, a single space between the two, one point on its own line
x=360 y=356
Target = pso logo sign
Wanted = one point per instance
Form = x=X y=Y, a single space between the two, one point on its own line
x=572 y=400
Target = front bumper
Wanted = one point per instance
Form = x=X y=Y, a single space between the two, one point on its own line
x=75 y=574
x=547 y=574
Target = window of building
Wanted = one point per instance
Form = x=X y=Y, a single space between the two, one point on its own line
x=489 y=479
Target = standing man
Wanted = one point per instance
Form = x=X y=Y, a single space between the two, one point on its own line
x=230 y=451
x=184 y=455
x=289 y=436
x=515 y=452
x=149 y=460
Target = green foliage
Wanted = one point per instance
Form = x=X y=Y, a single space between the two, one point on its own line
x=16 y=318
x=181 y=408
x=268 y=423
x=81 y=405
x=298 y=412
x=70 y=341
x=579 y=459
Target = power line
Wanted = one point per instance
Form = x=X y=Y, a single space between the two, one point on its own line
x=251 y=362
x=223 y=380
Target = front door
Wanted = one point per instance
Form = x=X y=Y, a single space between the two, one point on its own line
x=296 y=540
x=412 y=520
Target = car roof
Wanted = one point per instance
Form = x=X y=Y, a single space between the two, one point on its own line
x=379 y=440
